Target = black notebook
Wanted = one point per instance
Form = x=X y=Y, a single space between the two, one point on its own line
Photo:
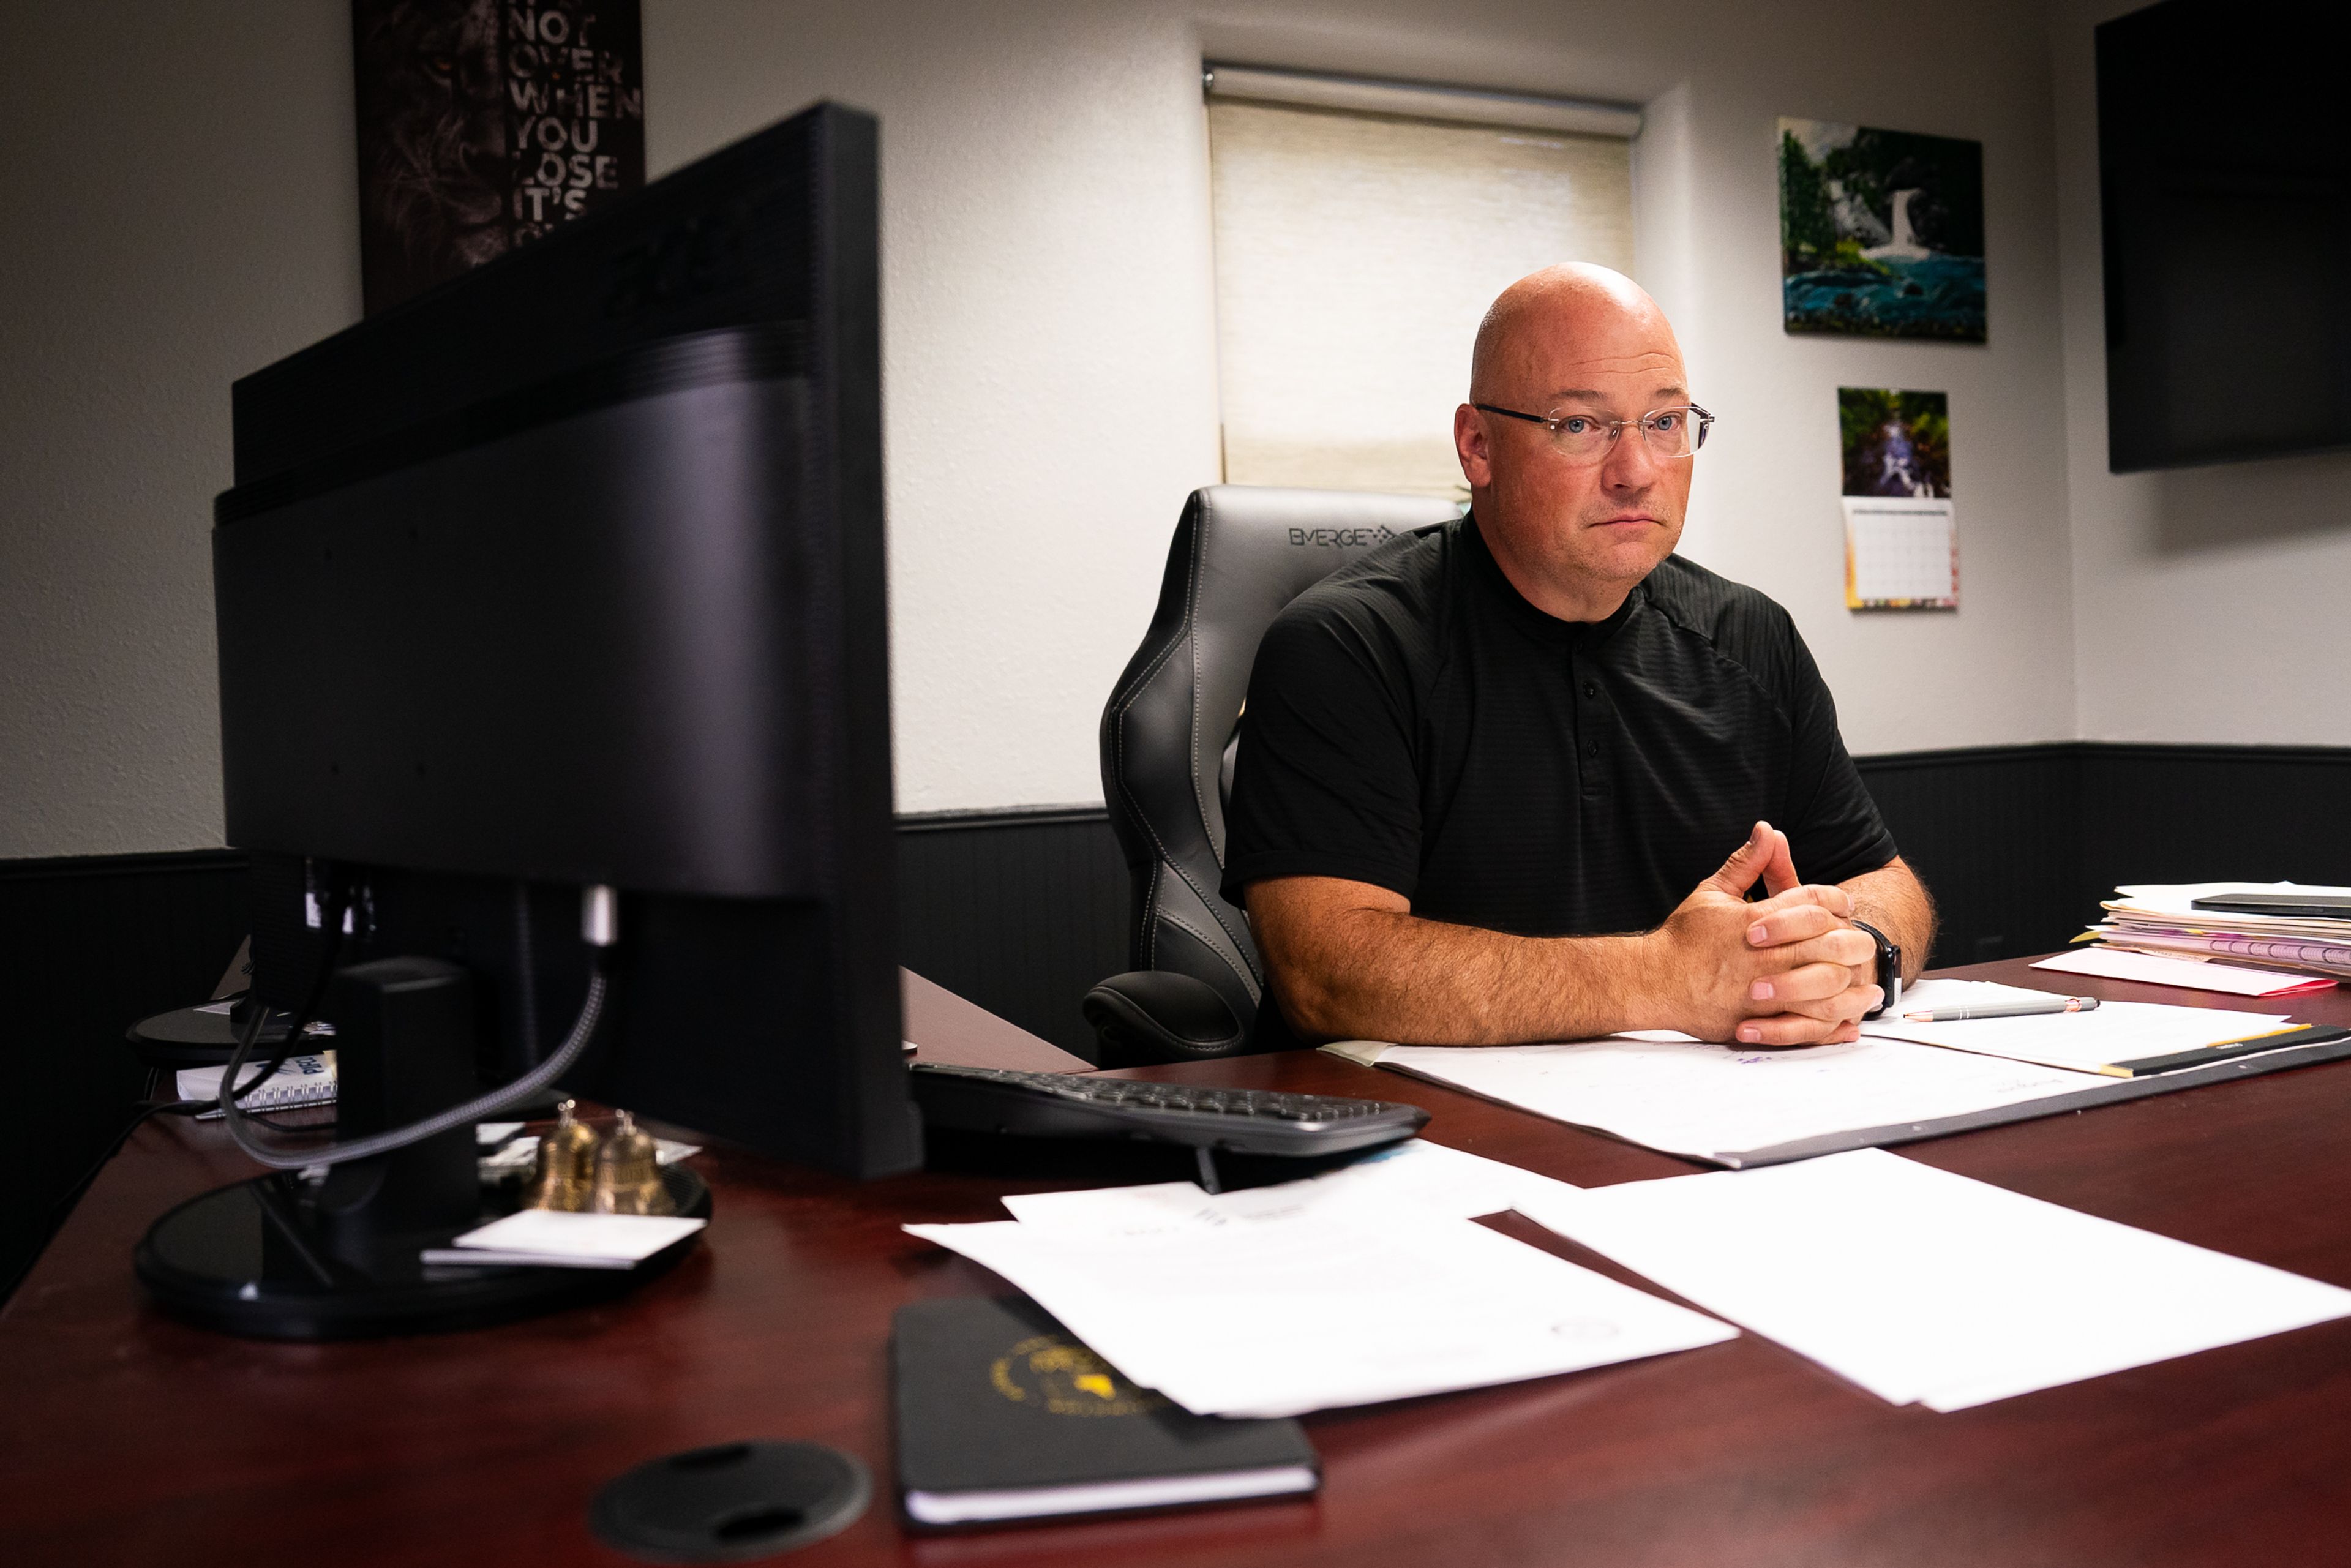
x=1003 y=1414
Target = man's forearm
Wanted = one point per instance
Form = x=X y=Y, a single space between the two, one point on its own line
x=1383 y=974
x=1350 y=958
x=1893 y=899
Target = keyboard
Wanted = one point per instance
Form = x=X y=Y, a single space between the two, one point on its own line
x=1237 y=1121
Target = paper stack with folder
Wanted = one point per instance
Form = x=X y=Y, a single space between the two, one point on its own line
x=2163 y=920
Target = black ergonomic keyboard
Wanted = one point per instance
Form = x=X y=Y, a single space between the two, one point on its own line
x=1238 y=1120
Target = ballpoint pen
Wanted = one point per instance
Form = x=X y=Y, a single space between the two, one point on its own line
x=2007 y=1010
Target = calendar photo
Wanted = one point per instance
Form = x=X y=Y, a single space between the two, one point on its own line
x=1901 y=537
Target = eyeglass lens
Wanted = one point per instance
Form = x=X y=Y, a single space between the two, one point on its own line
x=1670 y=433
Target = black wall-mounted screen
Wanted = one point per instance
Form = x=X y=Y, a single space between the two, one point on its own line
x=2224 y=161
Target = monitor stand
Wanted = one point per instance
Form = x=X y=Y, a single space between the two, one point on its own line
x=287 y=1257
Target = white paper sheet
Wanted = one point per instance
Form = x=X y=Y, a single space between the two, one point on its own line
x=1924 y=1286
x=1314 y=1310
x=2188 y=974
x=1412 y=1177
x=1715 y=1101
x=2114 y=1031
x=548 y=1236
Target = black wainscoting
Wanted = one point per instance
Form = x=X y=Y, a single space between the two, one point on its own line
x=2018 y=844
x=1021 y=911
x=1017 y=910
x=1995 y=834
x=93 y=944
x=2214 y=813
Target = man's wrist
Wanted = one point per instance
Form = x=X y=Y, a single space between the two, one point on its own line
x=1647 y=998
x=1889 y=967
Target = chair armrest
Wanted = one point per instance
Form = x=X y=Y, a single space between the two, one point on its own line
x=1148 y=1015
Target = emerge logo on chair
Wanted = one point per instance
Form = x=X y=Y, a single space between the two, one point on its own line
x=1344 y=538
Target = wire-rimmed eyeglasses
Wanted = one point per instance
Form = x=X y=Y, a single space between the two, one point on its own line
x=1670 y=433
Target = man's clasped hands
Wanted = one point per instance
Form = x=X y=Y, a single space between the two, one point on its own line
x=1791 y=968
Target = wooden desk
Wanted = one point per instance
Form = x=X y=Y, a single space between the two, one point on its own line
x=946 y=1029
x=127 y=1439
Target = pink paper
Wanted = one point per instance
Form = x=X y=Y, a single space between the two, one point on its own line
x=2150 y=969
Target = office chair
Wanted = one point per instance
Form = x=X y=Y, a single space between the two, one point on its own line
x=1168 y=737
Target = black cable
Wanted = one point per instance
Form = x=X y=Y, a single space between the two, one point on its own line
x=331 y=912
x=253 y=1028
x=583 y=1029
x=288 y=1050
x=527 y=958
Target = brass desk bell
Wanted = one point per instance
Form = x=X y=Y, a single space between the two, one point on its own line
x=628 y=1173
x=566 y=1178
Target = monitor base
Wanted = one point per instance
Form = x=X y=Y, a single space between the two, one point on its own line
x=252 y=1260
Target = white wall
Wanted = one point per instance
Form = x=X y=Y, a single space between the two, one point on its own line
x=2207 y=602
x=1049 y=329
x=179 y=184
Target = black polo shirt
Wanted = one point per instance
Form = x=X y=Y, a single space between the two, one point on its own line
x=1413 y=722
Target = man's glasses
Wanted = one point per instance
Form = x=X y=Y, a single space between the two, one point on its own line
x=1583 y=438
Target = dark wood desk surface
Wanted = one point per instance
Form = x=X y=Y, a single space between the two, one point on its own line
x=125 y=1438
x=946 y=1029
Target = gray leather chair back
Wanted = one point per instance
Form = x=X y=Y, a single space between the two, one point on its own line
x=1240 y=554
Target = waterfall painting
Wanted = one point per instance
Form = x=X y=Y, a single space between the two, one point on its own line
x=1881 y=233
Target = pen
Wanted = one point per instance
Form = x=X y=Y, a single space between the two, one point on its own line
x=2007 y=1010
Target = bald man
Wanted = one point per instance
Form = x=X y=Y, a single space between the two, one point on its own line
x=1532 y=776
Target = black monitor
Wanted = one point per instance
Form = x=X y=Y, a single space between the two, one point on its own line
x=569 y=574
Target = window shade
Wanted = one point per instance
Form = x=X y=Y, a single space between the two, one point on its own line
x=1356 y=255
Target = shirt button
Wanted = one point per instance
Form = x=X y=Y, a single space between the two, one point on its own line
x=1592 y=748
x=1590 y=689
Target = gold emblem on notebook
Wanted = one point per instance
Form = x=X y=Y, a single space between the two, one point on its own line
x=1065 y=1377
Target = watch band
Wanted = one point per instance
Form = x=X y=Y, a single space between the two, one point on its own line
x=1889 y=969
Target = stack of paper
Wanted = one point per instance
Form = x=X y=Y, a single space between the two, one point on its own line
x=1923 y=1286
x=2089 y=1042
x=2164 y=919
x=1315 y=1295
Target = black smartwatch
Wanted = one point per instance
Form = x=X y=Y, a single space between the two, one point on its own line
x=1889 y=969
